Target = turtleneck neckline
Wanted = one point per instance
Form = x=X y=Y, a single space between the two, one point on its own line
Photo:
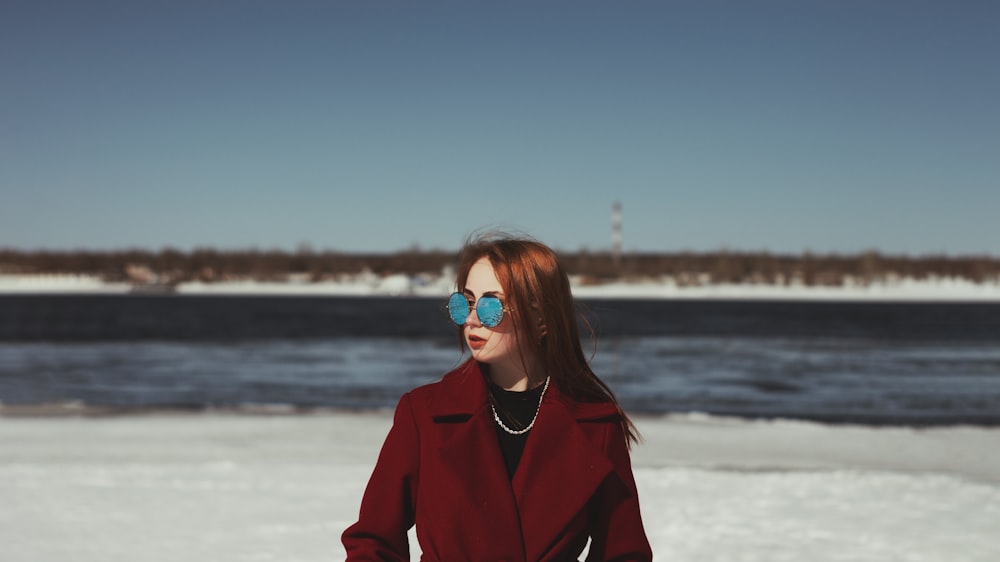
x=528 y=393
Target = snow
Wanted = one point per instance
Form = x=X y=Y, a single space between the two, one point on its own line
x=221 y=486
x=367 y=284
x=903 y=290
x=58 y=283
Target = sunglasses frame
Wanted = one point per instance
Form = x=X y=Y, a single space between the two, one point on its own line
x=473 y=304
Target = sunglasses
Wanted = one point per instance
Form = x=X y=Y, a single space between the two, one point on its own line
x=489 y=309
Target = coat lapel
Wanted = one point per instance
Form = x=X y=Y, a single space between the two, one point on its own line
x=559 y=471
x=471 y=454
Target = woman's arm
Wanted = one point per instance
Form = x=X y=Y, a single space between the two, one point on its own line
x=616 y=524
x=387 y=509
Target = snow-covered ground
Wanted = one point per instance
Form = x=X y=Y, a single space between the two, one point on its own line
x=948 y=289
x=224 y=487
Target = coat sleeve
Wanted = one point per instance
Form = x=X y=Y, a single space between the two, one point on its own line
x=387 y=508
x=616 y=529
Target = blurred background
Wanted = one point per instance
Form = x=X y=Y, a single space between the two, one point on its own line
x=380 y=126
x=779 y=218
x=768 y=208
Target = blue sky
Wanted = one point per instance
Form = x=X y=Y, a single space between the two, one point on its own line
x=819 y=125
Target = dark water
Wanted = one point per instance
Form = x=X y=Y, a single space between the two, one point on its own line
x=236 y=318
x=879 y=363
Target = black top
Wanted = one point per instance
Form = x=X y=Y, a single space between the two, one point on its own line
x=516 y=410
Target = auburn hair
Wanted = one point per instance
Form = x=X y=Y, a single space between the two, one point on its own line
x=537 y=293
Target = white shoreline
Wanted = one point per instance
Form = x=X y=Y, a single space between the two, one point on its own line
x=939 y=289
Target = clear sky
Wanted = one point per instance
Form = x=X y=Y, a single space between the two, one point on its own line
x=793 y=125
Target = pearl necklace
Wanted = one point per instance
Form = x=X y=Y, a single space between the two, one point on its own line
x=530 y=425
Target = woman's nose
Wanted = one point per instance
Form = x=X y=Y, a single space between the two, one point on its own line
x=473 y=318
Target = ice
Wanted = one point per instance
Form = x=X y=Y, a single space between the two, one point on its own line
x=226 y=487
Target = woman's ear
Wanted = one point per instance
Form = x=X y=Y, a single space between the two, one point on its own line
x=540 y=328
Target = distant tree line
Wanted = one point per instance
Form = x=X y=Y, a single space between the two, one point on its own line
x=216 y=265
x=773 y=269
x=687 y=268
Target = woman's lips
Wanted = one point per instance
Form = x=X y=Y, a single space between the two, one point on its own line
x=476 y=342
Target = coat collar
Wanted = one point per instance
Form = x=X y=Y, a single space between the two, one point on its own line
x=559 y=470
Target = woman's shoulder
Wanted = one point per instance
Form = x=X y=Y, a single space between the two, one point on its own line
x=588 y=408
x=593 y=411
x=459 y=387
x=449 y=379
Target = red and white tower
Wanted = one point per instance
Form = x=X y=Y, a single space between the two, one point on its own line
x=616 y=232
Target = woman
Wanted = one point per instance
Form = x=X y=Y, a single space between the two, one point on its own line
x=521 y=453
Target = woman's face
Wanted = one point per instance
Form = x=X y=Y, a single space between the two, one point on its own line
x=496 y=346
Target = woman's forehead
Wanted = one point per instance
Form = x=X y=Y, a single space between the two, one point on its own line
x=482 y=278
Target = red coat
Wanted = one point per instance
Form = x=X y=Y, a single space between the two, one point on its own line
x=441 y=468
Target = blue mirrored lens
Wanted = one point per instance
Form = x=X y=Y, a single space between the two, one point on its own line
x=458 y=308
x=489 y=309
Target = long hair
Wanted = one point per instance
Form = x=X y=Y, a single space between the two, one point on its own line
x=537 y=292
